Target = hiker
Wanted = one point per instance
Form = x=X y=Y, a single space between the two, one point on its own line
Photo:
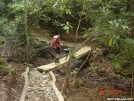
x=56 y=47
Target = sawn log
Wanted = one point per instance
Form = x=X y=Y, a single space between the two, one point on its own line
x=53 y=66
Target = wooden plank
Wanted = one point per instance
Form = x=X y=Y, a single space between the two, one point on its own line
x=24 y=92
x=56 y=90
x=83 y=51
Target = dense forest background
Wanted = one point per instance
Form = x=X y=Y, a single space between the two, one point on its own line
x=109 y=23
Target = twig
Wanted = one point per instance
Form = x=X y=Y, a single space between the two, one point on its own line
x=71 y=35
x=132 y=82
x=82 y=65
x=87 y=74
x=74 y=17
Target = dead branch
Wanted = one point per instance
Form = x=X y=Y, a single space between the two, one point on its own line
x=82 y=64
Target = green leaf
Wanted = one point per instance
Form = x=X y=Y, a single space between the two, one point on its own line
x=68 y=11
x=116 y=64
x=67 y=31
x=97 y=27
x=14 y=72
x=110 y=42
x=2 y=66
x=115 y=42
x=100 y=1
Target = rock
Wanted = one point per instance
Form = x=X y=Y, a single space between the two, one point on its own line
x=36 y=99
x=44 y=73
x=75 y=64
x=49 y=89
x=44 y=76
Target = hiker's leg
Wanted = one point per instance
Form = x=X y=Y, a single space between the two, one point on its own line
x=57 y=51
x=57 y=55
x=53 y=54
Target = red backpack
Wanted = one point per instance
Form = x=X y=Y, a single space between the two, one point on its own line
x=55 y=42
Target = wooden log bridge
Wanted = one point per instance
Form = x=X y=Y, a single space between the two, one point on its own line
x=53 y=66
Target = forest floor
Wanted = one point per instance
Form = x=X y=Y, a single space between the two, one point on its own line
x=88 y=86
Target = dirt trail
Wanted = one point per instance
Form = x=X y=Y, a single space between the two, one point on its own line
x=40 y=88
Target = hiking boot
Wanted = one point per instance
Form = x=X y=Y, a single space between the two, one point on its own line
x=56 y=60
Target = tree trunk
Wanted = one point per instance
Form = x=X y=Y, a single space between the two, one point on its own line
x=66 y=81
x=132 y=10
x=132 y=6
x=26 y=31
